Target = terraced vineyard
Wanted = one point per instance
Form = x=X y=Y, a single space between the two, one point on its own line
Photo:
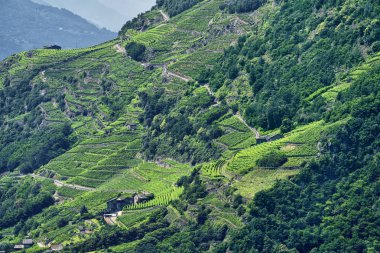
x=167 y=125
x=96 y=160
x=133 y=218
x=238 y=136
x=220 y=214
x=261 y=179
x=330 y=93
x=298 y=145
x=161 y=199
x=214 y=169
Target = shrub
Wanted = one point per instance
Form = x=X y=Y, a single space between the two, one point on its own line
x=286 y=125
x=376 y=46
x=136 y=51
x=272 y=160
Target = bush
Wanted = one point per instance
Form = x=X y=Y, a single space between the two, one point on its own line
x=136 y=51
x=376 y=47
x=272 y=160
x=62 y=222
x=286 y=125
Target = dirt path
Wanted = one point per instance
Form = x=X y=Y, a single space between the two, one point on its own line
x=168 y=73
x=119 y=49
x=59 y=183
x=62 y=184
x=165 y=16
x=216 y=101
x=43 y=77
x=72 y=186
x=254 y=130
x=209 y=90
x=182 y=77
x=43 y=111
x=241 y=21
x=110 y=220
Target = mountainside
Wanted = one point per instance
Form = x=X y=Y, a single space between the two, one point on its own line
x=206 y=126
x=26 y=25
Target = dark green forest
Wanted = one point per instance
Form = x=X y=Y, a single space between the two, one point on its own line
x=29 y=130
x=332 y=205
x=299 y=65
x=241 y=6
x=32 y=198
x=174 y=7
x=160 y=140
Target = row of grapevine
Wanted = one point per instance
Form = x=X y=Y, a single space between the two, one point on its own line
x=159 y=200
x=213 y=169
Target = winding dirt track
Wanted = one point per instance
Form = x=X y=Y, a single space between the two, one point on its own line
x=62 y=184
x=165 y=16
x=182 y=77
x=166 y=72
x=254 y=130
x=59 y=183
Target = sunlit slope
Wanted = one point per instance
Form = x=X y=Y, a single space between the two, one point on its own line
x=99 y=91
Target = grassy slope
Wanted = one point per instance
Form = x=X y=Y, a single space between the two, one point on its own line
x=106 y=155
x=106 y=151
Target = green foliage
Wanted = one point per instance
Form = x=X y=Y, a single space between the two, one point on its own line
x=290 y=57
x=31 y=152
x=21 y=200
x=132 y=218
x=240 y=6
x=376 y=46
x=286 y=125
x=140 y=23
x=162 y=199
x=173 y=131
x=174 y=7
x=298 y=68
x=261 y=179
x=326 y=206
x=135 y=50
x=199 y=235
x=272 y=160
x=213 y=169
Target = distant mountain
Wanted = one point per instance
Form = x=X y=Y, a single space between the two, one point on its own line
x=26 y=25
x=92 y=10
x=111 y=14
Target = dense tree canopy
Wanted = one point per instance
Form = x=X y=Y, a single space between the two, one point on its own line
x=135 y=50
x=286 y=63
x=174 y=7
x=240 y=6
x=20 y=201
